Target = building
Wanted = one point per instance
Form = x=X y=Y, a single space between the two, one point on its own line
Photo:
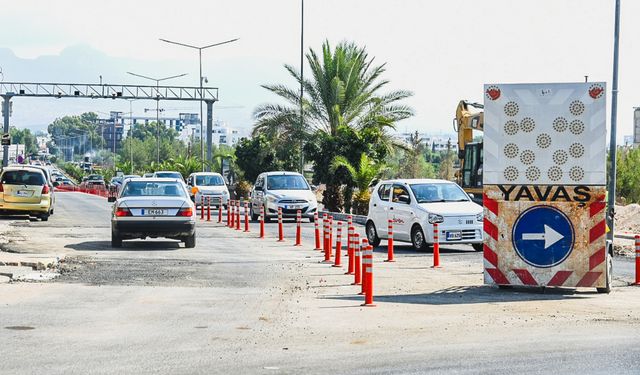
x=221 y=133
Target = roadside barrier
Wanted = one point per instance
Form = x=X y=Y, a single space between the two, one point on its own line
x=367 y=268
x=280 y=229
x=330 y=235
x=357 y=278
x=327 y=241
x=220 y=211
x=337 y=262
x=262 y=221
x=436 y=246
x=316 y=225
x=233 y=214
x=350 y=249
x=325 y=236
x=349 y=233
x=246 y=216
x=298 y=228
x=363 y=249
x=208 y=208
x=238 y=203
x=637 y=260
x=229 y=208
x=202 y=208
x=390 y=242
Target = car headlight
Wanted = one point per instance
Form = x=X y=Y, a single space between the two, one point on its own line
x=271 y=198
x=435 y=218
x=479 y=217
x=224 y=192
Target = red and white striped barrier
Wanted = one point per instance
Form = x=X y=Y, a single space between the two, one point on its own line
x=390 y=242
x=350 y=249
x=316 y=226
x=363 y=248
x=280 y=229
x=229 y=215
x=232 y=207
x=637 y=260
x=357 y=278
x=238 y=203
x=367 y=283
x=261 y=221
x=220 y=212
x=325 y=232
x=436 y=246
x=208 y=208
x=246 y=216
x=202 y=208
x=338 y=262
x=298 y=228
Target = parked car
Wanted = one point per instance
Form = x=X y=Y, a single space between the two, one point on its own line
x=168 y=174
x=209 y=185
x=415 y=205
x=287 y=190
x=50 y=181
x=153 y=207
x=24 y=190
x=93 y=181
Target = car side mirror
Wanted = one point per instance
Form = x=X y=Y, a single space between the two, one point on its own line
x=471 y=195
x=314 y=188
x=111 y=199
x=404 y=199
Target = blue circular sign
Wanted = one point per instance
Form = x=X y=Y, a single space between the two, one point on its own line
x=543 y=236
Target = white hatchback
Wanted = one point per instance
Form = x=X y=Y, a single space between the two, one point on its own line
x=415 y=205
x=208 y=185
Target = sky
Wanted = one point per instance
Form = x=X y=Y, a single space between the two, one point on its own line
x=442 y=51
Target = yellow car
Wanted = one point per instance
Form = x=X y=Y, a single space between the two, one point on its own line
x=24 y=190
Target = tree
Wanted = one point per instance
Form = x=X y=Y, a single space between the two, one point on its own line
x=413 y=164
x=446 y=171
x=362 y=175
x=78 y=132
x=256 y=155
x=25 y=137
x=628 y=175
x=343 y=92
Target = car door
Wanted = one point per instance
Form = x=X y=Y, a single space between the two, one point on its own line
x=257 y=194
x=380 y=209
x=401 y=212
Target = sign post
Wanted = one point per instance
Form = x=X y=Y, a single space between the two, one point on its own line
x=544 y=185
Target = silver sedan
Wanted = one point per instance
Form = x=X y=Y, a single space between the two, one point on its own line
x=153 y=207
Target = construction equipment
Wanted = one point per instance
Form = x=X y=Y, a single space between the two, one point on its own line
x=469 y=176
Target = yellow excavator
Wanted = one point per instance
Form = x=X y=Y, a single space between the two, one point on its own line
x=469 y=176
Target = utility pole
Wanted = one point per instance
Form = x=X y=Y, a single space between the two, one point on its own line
x=6 y=105
x=614 y=116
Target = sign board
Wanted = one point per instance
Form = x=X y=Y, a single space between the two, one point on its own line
x=6 y=139
x=636 y=126
x=544 y=184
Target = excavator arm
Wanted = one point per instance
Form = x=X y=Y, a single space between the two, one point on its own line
x=466 y=122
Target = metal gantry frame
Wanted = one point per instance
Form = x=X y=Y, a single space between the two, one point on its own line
x=9 y=90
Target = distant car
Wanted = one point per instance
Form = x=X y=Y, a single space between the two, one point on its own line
x=153 y=207
x=115 y=182
x=168 y=174
x=209 y=185
x=147 y=175
x=24 y=190
x=286 y=190
x=93 y=181
x=415 y=205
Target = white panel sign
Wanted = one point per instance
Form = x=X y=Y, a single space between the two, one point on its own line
x=545 y=134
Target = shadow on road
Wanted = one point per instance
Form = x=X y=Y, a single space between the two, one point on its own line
x=412 y=251
x=464 y=295
x=126 y=245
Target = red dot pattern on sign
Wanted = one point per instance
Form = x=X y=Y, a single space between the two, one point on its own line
x=596 y=91
x=493 y=92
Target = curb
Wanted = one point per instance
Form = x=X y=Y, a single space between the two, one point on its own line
x=357 y=219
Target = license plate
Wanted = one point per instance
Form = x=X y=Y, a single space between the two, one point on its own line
x=154 y=212
x=293 y=207
x=456 y=235
x=24 y=193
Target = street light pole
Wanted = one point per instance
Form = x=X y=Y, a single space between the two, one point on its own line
x=301 y=84
x=614 y=117
x=201 y=87
x=158 y=106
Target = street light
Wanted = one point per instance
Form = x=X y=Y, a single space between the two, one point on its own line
x=131 y=130
x=201 y=79
x=158 y=105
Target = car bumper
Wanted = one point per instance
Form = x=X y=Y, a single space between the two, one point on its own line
x=153 y=228
x=215 y=199
x=306 y=210
x=42 y=207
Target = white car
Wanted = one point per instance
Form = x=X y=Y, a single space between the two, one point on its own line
x=415 y=205
x=168 y=174
x=287 y=190
x=153 y=207
x=209 y=185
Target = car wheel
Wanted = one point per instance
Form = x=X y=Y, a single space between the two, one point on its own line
x=116 y=240
x=254 y=216
x=372 y=234
x=607 y=287
x=478 y=247
x=418 y=239
x=44 y=217
x=190 y=241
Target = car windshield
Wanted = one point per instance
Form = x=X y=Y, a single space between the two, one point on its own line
x=168 y=175
x=287 y=182
x=149 y=189
x=428 y=193
x=209 y=180
x=22 y=178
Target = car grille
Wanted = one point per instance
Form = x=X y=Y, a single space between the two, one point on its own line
x=293 y=212
x=292 y=201
x=468 y=234
x=459 y=220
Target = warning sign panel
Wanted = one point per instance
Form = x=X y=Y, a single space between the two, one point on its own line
x=544 y=184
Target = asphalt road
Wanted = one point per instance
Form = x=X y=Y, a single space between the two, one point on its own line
x=236 y=304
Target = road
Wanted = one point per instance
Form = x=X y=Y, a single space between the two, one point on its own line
x=237 y=304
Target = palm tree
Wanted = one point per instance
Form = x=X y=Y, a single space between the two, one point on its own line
x=362 y=175
x=343 y=91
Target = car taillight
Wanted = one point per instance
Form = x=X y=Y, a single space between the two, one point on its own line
x=121 y=211
x=185 y=212
x=45 y=189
